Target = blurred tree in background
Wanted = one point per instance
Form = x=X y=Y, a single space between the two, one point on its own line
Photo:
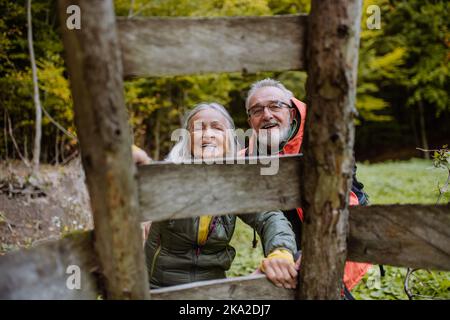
x=16 y=91
x=402 y=86
x=403 y=80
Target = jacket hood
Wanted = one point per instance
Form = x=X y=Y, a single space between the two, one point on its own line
x=294 y=144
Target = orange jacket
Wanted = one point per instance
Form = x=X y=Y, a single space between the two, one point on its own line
x=353 y=271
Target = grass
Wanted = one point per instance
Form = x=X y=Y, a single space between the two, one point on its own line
x=413 y=181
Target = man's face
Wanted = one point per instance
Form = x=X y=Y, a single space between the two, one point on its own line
x=273 y=123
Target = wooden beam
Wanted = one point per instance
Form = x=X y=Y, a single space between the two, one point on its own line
x=254 y=287
x=399 y=235
x=179 y=46
x=332 y=55
x=44 y=272
x=95 y=70
x=415 y=236
x=171 y=191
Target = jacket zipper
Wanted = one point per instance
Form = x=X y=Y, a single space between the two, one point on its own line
x=155 y=257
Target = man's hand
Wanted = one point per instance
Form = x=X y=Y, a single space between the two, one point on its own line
x=281 y=271
x=139 y=156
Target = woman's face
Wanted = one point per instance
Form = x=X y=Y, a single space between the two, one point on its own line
x=208 y=130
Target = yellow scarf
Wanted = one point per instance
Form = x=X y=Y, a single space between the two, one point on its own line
x=203 y=229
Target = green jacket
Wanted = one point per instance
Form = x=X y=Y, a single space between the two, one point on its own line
x=173 y=256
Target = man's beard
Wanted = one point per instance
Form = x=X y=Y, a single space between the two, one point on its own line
x=270 y=141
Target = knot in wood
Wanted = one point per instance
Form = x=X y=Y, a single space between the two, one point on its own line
x=343 y=31
x=334 y=137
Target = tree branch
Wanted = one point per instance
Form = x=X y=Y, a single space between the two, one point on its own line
x=25 y=161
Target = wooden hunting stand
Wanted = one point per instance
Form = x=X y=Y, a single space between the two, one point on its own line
x=111 y=259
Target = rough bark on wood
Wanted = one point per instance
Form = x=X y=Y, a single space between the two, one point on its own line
x=399 y=235
x=178 y=46
x=42 y=272
x=254 y=287
x=95 y=70
x=332 y=59
x=216 y=189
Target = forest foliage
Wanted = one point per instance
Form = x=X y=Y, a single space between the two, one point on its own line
x=403 y=72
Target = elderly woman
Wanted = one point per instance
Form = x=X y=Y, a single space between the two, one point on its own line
x=196 y=249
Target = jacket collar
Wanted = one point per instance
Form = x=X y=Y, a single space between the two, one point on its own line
x=294 y=144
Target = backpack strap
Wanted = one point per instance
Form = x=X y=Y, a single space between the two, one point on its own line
x=347 y=294
x=255 y=241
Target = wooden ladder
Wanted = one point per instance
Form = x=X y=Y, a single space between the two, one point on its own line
x=325 y=44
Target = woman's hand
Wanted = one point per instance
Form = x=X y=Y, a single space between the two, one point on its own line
x=140 y=157
x=145 y=226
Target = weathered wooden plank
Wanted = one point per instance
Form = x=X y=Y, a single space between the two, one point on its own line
x=179 y=46
x=332 y=55
x=401 y=235
x=254 y=287
x=170 y=191
x=42 y=272
x=95 y=70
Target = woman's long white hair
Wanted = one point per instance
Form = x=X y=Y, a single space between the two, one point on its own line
x=181 y=151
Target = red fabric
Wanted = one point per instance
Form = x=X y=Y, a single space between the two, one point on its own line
x=353 y=271
x=353 y=200
x=294 y=145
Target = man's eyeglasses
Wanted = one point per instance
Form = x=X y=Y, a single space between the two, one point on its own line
x=273 y=106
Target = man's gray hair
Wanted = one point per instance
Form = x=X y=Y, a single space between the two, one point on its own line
x=267 y=83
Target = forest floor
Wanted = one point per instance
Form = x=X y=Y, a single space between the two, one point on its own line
x=36 y=209
x=33 y=210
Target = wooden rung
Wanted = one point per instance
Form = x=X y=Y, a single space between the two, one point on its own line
x=181 y=46
x=171 y=191
x=254 y=287
x=416 y=236
x=399 y=235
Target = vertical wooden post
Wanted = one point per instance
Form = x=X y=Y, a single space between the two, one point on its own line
x=95 y=69
x=332 y=59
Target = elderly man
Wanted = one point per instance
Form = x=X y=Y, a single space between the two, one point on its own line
x=277 y=117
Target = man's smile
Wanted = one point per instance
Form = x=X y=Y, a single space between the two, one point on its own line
x=270 y=125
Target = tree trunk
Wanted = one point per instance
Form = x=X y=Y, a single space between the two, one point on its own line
x=157 y=135
x=130 y=12
x=332 y=55
x=62 y=149
x=423 y=132
x=25 y=146
x=56 y=149
x=95 y=70
x=16 y=147
x=37 y=102
x=5 y=133
x=412 y=119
